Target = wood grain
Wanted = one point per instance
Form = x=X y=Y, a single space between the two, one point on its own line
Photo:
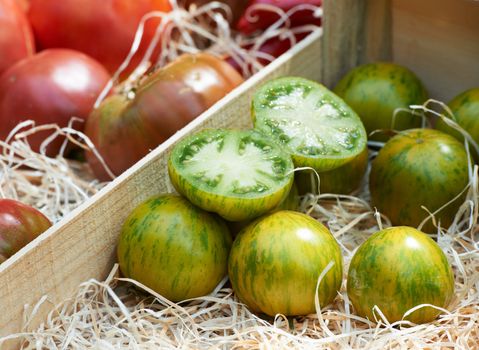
x=355 y=32
x=82 y=246
x=439 y=41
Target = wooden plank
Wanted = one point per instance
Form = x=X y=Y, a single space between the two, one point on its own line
x=439 y=40
x=377 y=43
x=82 y=246
x=355 y=32
x=343 y=27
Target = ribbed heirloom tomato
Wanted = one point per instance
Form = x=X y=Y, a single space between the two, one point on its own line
x=16 y=39
x=103 y=29
x=50 y=87
x=19 y=224
x=124 y=128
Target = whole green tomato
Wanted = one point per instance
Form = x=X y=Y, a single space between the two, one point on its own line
x=275 y=263
x=397 y=269
x=465 y=108
x=419 y=167
x=173 y=247
x=376 y=90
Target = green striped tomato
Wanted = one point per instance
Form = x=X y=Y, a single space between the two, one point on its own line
x=397 y=269
x=343 y=180
x=289 y=203
x=375 y=90
x=173 y=247
x=465 y=108
x=276 y=261
x=314 y=125
x=239 y=174
x=419 y=167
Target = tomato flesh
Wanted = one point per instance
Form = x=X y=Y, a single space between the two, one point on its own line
x=316 y=126
x=237 y=174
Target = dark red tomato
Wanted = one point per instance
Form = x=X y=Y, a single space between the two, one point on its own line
x=16 y=39
x=19 y=224
x=256 y=19
x=274 y=47
x=237 y=6
x=124 y=130
x=50 y=87
x=103 y=29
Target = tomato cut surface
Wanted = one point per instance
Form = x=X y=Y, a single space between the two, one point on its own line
x=237 y=174
x=316 y=126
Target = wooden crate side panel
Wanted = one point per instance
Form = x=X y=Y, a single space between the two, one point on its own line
x=355 y=32
x=439 y=41
x=82 y=246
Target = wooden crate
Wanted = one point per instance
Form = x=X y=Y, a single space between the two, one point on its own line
x=438 y=39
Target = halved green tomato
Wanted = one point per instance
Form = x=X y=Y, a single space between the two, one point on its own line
x=317 y=127
x=239 y=174
x=343 y=180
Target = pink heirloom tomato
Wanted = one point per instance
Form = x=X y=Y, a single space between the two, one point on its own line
x=124 y=129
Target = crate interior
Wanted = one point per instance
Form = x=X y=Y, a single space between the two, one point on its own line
x=438 y=39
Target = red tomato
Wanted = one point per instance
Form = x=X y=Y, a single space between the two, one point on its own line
x=19 y=224
x=16 y=39
x=24 y=4
x=50 y=87
x=247 y=25
x=124 y=130
x=103 y=29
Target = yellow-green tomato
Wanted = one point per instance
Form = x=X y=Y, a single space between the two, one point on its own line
x=289 y=203
x=397 y=269
x=465 y=108
x=173 y=247
x=416 y=168
x=275 y=263
x=376 y=90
